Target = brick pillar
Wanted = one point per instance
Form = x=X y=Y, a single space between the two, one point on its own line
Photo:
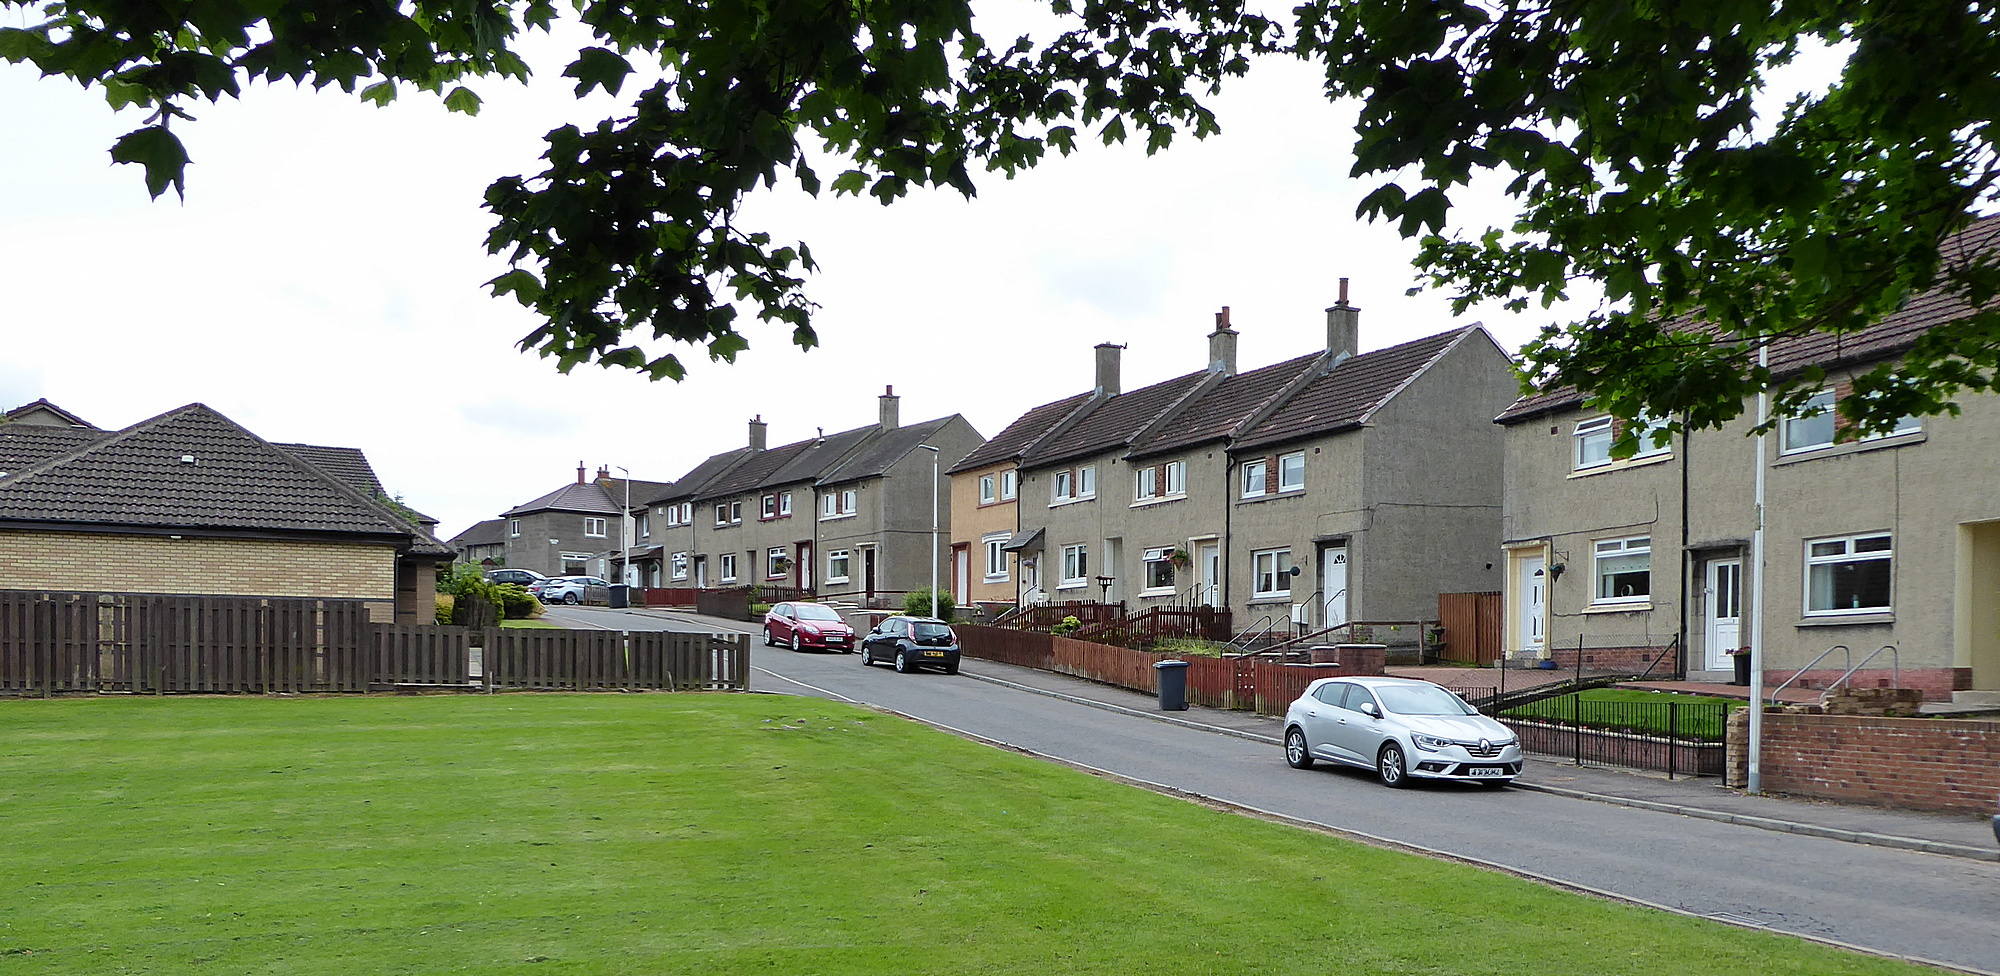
x=1736 y=757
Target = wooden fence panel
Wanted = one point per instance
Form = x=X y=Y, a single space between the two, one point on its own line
x=423 y=654
x=1471 y=627
x=1022 y=648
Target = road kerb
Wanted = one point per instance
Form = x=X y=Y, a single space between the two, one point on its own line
x=1722 y=816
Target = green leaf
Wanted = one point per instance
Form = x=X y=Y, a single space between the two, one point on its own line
x=381 y=93
x=596 y=67
x=120 y=94
x=462 y=99
x=160 y=152
x=851 y=182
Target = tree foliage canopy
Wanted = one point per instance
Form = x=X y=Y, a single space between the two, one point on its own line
x=1627 y=131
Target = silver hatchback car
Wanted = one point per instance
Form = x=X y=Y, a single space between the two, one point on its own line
x=1402 y=728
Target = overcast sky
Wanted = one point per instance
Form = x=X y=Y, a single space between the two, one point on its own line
x=322 y=282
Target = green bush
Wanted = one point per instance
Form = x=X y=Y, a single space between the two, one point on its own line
x=444 y=606
x=758 y=610
x=917 y=603
x=1187 y=647
x=516 y=603
x=1069 y=625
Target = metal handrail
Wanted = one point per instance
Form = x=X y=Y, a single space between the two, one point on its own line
x=1251 y=632
x=1895 y=668
x=1809 y=666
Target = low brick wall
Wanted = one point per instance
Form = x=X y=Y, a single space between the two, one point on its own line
x=1911 y=763
x=1937 y=684
x=1634 y=660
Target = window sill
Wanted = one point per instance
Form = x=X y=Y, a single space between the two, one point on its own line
x=1268 y=496
x=1157 y=593
x=1618 y=608
x=1262 y=598
x=1851 y=447
x=1162 y=500
x=1625 y=465
x=1871 y=618
x=1072 y=501
x=996 y=579
x=1078 y=585
x=996 y=503
x=836 y=518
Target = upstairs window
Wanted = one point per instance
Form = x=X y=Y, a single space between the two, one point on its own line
x=988 y=490
x=1292 y=472
x=1009 y=485
x=1256 y=478
x=1813 y=427
x=514 y=528
x=687 y=513
x=770 y=506
x=1850 y=574
x=785 y=505
x=593 y=528
x=1074 y=484
x=1086 y=481
x=1064 y=486
x=1593 y=443
x=837 y=504
x=1167 y=480
x=1647 y=425
x=645 y=527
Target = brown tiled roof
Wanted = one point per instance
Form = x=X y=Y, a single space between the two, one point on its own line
x=1217 y=413
x=821 y=454
x=1345 y=395
x=588 y=497
x=1021 y=435
x=346 y=463
x=885 y=449
x=23 y=446
x=755 y=468
x=642 y=490
x=1790 y=354
x=43 y=404
x=236 y=480
x=491 y=532
x=692 y=483
x=1114 y=422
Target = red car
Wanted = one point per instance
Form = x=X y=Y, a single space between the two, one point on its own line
x=803 y=625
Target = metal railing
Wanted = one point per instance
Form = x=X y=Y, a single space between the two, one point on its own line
x=1242 y=640
x=1895 y=668
x=1809 y=666
x=1669 y=736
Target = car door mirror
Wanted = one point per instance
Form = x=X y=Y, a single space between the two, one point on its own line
x=1368 y=709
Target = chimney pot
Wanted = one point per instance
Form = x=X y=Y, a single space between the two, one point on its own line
x=604 y=471
x=890 y=414
x=1107 y=367
x=579 y=472
x=1222 y=345
x=1343 y=327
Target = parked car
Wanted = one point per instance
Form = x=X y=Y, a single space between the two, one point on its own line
x=576 y=589
x=803 y=625
x=910 y=643
x=517 y=577
x=1402 y=728
x=535 y=588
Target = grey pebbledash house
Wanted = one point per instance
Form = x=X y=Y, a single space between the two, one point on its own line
x=577 y=529
x=483 y=544
x=1878 y=542
x=1374 y=476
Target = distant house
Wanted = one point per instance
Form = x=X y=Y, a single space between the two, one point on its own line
x=985 y=505
x=576 y=530
x=190 y=502
x=44 y=414
x=484 y=544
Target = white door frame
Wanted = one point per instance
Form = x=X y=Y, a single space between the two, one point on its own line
x=1722 y=592
x=1333 y=597
x=1531 y=587
x=1208 y=555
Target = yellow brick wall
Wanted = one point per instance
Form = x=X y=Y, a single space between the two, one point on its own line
x=223 y=567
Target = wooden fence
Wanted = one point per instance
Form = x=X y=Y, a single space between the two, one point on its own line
x=1042 y=616
x=1250 y=683
x=63 y=643
x=1471 y=627
x=1155 y=624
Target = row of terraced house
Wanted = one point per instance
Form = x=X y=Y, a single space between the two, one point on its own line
x=1342 y=485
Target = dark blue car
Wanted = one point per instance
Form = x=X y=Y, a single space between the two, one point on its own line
x=911 y=643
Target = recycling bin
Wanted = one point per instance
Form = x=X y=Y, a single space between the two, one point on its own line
x=1173 y=685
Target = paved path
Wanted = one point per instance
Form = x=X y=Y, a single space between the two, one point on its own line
x=1890 y=900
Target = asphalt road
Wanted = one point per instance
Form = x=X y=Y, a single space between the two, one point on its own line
x=1902 y=902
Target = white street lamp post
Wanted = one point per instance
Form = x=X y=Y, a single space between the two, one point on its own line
x=934 y=527
x=624 y=533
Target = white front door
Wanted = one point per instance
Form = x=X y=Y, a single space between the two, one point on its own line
x=1211 y=575
x=1333 y=586
x=1724 y=596
x=1533 y=585
x=964 y=574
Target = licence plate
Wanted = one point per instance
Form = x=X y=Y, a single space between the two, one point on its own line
x=933 y=653
x=1486 y=771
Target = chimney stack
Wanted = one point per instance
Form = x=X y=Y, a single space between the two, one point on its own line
x=757 y=428
x=1343 y=326
x=604 y=472
x=1222 y=345
x=1107 y=367
x=890 y=413
x=579 y=472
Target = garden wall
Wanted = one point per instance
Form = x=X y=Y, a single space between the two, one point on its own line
x=1912 y=763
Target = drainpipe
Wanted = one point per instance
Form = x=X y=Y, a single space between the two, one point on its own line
x=1687 y=564
x=1228 y=511
x=1754 y=775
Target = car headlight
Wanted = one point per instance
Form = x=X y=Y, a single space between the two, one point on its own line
x=1430 y=743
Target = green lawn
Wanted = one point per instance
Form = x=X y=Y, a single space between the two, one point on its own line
x=1634 y=710
x=689 y=834
x=525 y=622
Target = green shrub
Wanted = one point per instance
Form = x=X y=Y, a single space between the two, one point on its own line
x=1187 y=647
x=444 y=605
x=1069 y=625
x=516 y=603
x=917 y=603
x=758 y=610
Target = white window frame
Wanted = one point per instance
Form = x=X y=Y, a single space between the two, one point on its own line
x=1585 y=432
x=1848 y=554
x=1086 y=482
x=773 y=558
x=679 y=564
x=837 y=505
x=645 y=524
x=1646 y=424
x=593 y=527
x=687 y=513
x=722 y=513
x=1010 y=485
x=514 y=528
x=673 y=514
x=1810 y=415
x=1145 y=484
x=1300 y=485
x=784 y=504
x=769 y=506
x=988 y=489
x=1080 y=562
x=1061 y=487
x=996 y=556
x=1619 y=547
x=1255 y=487
x=725 y=567
x=1281 y=579
x=845 y=558
x=1151 y=555
x=1175 y=477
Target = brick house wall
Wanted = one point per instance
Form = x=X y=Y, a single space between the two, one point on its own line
x=223 y=567
x=1912 y=763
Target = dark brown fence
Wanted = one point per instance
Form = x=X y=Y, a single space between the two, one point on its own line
x=1471 y=624
x=61 y=642
x=668 y=596
x=1155 y=624
x=1042 y=616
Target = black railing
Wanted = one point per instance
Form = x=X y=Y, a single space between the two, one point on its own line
x=1673 y=737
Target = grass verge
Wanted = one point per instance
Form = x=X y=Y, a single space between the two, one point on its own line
x=1634 y=710
x=697 y=834
x=526 y=623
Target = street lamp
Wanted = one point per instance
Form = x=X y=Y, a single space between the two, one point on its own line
x=934 y=525
x=624 y=533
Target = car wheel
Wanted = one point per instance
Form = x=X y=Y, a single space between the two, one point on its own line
x=864 y=658
x=951 y=668
x=795 y=642
x=769 y=641
x=570 y=598
x=1296 y=752
x=1389 y=766
x=902 y=663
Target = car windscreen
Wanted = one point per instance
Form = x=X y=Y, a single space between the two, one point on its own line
x=931 y=632
x=1421 y=700
x=813 y=611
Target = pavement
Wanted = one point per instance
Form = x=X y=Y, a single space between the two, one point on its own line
x=1599 y=831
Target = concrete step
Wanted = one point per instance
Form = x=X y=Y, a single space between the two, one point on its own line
x=1975 y=697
